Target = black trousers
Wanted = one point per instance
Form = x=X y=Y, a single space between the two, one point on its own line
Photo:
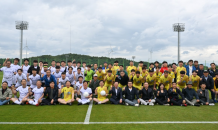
x=161 y=102
x=48 y=101
x=177 y=102
x=115 y=101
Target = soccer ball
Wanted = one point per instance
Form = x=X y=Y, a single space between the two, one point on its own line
x=85 y=94
x=103 y=93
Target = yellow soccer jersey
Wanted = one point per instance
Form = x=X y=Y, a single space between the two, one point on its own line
x=151 y=79
x=99 y=89
x=113 y=71
x=144 y=74
x=195 y=81
x=109 y=80
x=116 y=68
x=129 y=68
x=158 y=75
x=166 y=81
x=183 y=82
x=139 y=69
x=100 y=75
x=172 y=74
x=67 y=93
x=137 y=82
x=178 y=69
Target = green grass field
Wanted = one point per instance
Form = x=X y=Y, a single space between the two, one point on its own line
x=107 y=113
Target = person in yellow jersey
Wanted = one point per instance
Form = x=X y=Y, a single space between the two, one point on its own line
x=144 y=73
x=140 y=66
x=110 y=68
x=109 y=79
x=216 y=85
x=116 y=66
x=182 y=80
x=151 y=79
x=102 y=93
x=195 y=80
x=137 y=80
x=100 y=74
x=180 y=68
x=151 y=66
x=132 y=74
x=68 y=94
x=171 y=73
x=166 y=79
x=130 y=67
x=158 y=74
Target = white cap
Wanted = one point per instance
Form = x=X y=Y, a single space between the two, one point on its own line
x=95 y=75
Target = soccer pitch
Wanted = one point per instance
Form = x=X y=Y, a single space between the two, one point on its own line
x=107 y=116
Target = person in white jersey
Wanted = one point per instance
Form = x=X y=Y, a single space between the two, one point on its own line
x=74 y=67
x=25 y=69
x=23 y=91
x=34 y=78
x=8 y=73
x=62 y=81
x=78 y=74
x=38 y=93
x=69 y=64
x=57 y=73
x=15 y=66
x=84 y=67
x=63 y=67
x=81 y=91
x=70 y=75
x=78 y=84
x=52 y=67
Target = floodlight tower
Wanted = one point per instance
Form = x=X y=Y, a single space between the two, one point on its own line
x=133 y=57
x=179 y=27
x=21 y=25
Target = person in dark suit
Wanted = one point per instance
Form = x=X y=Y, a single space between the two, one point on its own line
x=206 y=78
x=48 y=78
x=52 y=95
x=147 y=95
x=131 y=95
x=116 y=94
x=35 y=65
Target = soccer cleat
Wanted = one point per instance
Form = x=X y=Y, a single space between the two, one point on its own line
x=37 y=104
x=69 y=104
x=166 y=104
x=211 y=104
x=96 y=103
x=215 y=101
x=196 y=104
x=127 y=104
x=79 y=103
x=22 y=104
x=27 y=103
x=136 y=105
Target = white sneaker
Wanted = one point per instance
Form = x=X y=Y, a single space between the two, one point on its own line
x=151 y=104
x=211 y=104
x=136 y=105
x=127 y=104
x=166 y=104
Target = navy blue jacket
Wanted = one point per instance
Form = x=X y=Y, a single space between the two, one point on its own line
x=189 y=93
x=47 y=82
x=212 y=73
x=146 y=95
x=117 y=96
x=209 y=82
x=175 y=95
x=131 y=95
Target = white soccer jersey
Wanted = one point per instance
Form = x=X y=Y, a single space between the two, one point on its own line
x=57 y=75
x=25 y=69
x=22 y=91
x=62 y=69
x=43 y=72
x=78 y=84
x=8 y=74
x=82 y=91
x=38 y=92
x=53 y=69
x=63 y=81
x=19 y=78
x=74 y=69
x=83 y=69
x=34 y=79
x=15 y=67
x=78 y=75
x=70 y=77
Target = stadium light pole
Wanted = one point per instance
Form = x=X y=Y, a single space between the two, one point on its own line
x=179 y=27
x=21 y=25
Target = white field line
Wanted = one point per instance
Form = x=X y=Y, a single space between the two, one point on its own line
x=145 y=122
x=88 y=114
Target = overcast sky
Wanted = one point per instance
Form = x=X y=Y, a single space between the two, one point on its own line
x=129 y=27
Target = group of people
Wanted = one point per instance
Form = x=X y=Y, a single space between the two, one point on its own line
x=41 y=84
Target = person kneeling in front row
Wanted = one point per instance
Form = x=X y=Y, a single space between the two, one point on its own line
x=86 y=94
x=68 y=94
x=147 y=95
x=116 y=92
x=131 y=95
x=203 y=95
x=52 y=95
x=102 y=93
x=5 y=94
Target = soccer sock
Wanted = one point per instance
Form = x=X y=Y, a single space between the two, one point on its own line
x=80 y=101
x=30 y=102
x=34 y=103
x=17 y=102
x=99 y=102
x=87 y=101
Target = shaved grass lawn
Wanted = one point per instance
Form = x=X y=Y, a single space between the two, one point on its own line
x=107 y=113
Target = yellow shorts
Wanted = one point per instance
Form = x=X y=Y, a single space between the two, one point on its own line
x=66 y=100
x=137 y=86
x=101 y=99
x=121 y=86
